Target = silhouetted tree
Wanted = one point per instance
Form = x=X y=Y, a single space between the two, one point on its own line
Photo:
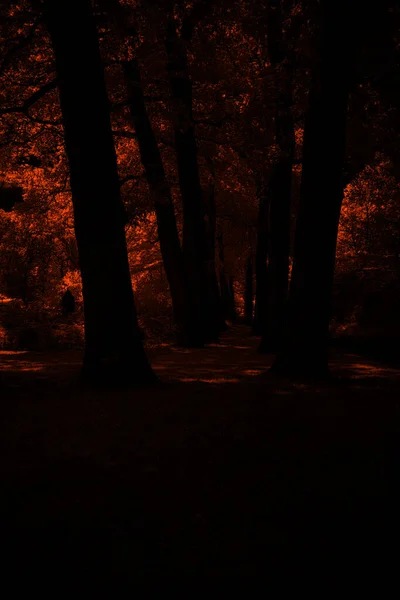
x=261 y=269
x=202 y=323
x=9 y=196
x=305 y=346
x=112 y=339
x=225 y=283
x=248 y=293
x=275 y=201
x=215 y=314
x=154 y=169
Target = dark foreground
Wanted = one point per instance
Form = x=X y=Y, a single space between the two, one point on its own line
x=222 y=471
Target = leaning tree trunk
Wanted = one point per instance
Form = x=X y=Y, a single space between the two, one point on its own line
x=164 y=207
x=112 y=341
x=201 y=321
x=154 y=169
x=279 y=186
x=305 y=346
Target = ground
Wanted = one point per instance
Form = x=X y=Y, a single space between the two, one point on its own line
x=223 y=470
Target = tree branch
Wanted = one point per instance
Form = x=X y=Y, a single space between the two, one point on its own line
x=29 y=102
x=126 y=134
x=128 y=178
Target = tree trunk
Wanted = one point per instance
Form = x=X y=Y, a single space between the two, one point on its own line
x=113 y=348
x=248 y=294
x=166 y=223
x=201 y=321
x=226 y=285
x=232 y=315
x=279 y=187
x=259 y=321
x=305 y=346
x=155 y=174
x=214 y=299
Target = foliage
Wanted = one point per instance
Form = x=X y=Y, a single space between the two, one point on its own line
x=234 y=89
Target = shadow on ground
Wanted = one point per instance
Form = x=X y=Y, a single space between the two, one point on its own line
x=224 y=470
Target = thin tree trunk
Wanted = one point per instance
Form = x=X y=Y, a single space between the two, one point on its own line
x=155 y=174
x=259 y=321
x=305 y=347
x=232 y=315
x=248 y=294
x=279 y=187
x=112 y=342
x=201 y=319
x=214 y=301
x=214 y=298
x=225 y=284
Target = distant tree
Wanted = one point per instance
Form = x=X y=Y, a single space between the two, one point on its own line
x=261 y=257
x=112 y=339
x=225 y=283
x=249 y=298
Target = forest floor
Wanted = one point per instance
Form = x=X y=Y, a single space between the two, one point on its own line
x=223 y=470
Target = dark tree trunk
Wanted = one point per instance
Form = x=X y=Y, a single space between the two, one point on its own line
x=232 y=315
x=152 y=162
x=201 y=321
x=259 y=321
x=279 y=187
x=248 y=293
x=214 y=299
x=305 y=346
x=112 y=341
x=166 y=223
x=226 y=285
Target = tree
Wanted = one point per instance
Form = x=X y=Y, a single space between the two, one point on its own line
x=203 y=311
x=305 y=344
x=154 y=169
x=112 y=340
x=225 y=283
x=248 y=300
x=261 y=262
x=8 y=197
x=275 y=200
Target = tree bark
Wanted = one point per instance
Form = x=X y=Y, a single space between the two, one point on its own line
x=305 y=344
x=112 y=341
